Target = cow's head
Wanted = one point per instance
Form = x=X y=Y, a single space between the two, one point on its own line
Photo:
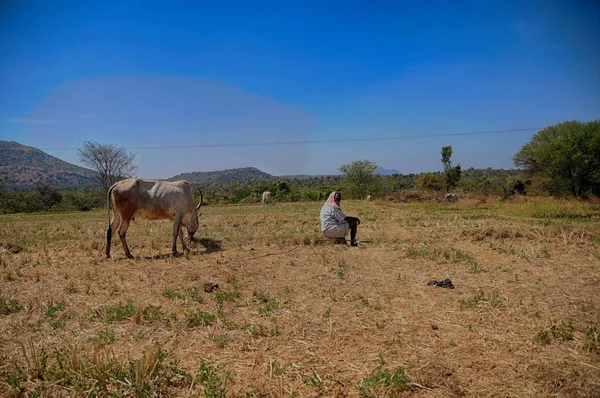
x=195 y=222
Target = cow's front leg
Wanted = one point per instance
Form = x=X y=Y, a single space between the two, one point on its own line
x=176 y=232
x=182 y=239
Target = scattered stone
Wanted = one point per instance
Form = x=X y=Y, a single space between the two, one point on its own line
x=209 y=287
x=434 y=326
x=447 y=283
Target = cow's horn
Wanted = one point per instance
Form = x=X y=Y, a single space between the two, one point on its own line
x=201 y=199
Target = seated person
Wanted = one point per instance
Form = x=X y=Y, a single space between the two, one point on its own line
x=334 y=223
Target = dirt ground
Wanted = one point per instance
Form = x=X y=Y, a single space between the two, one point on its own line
x=295 y=315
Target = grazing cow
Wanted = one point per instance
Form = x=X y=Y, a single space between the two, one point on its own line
x=451 y=197
x=152 y=200
x=369 y=198
x=266 y=197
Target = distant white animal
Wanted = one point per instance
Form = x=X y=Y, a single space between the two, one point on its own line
x=266 y=197
x=451 y=197
x=152 y=200
x=369 y=197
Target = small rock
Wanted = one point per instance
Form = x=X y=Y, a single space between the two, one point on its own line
x=447 y=283
x=209 y=287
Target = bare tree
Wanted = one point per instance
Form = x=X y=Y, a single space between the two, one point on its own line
x=110 y=162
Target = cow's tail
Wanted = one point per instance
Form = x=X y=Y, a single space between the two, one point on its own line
x=109 y=231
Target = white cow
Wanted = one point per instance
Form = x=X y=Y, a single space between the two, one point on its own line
x=369 y=197
x=266 y=197
x=152 y=200
x=451 y=197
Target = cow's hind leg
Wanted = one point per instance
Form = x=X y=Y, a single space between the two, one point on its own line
x=113 y=225
x=123 y=235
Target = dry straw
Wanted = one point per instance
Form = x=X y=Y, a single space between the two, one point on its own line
x=293 y=316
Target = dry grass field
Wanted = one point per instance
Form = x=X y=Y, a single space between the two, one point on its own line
x=294 y=316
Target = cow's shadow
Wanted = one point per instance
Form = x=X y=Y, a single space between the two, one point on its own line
x=160 y=256
x=210 y=245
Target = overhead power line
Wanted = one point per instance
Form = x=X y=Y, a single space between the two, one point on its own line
x=304 y=142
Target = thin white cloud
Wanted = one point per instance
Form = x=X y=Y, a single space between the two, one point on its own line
x=35 y=121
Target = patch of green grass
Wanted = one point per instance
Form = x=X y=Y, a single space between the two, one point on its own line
x=448 y=254
x=268 y=303
x=9 y=306
x=542 y=337
x=503 y=250
x=14 y=375
x=593 y=335
x=546 y=208
x=227 y=295
x=152 y=313
x=417 y=252
x=220 y=340
x=277 y=369
x=455 y=255
x=174 y=293
x=120 y=312
x=209 y=377
x=313 y=379
x=195 y=295
x=199 y=318
x=384 y=382
x=76 y=373
x=263 y=331
x=481 y=299
x=53 y=309
x=563 y=330
x=58 y=323
x=339 y=272
x=105 y=337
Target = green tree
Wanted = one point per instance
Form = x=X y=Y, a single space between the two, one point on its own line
x=452 y=174
x=430 y=182
x=359 y=178
x=48 y=196
x=565 y=158
x=517 y=185
x=282 y=190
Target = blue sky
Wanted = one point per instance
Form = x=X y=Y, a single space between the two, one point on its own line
x=157 y=76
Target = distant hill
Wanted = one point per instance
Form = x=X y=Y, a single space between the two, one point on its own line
x=386 y=172
x=244 y=174
x=24 y=167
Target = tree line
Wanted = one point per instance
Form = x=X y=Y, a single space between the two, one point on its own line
x=45 y=197
x=560 y=160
